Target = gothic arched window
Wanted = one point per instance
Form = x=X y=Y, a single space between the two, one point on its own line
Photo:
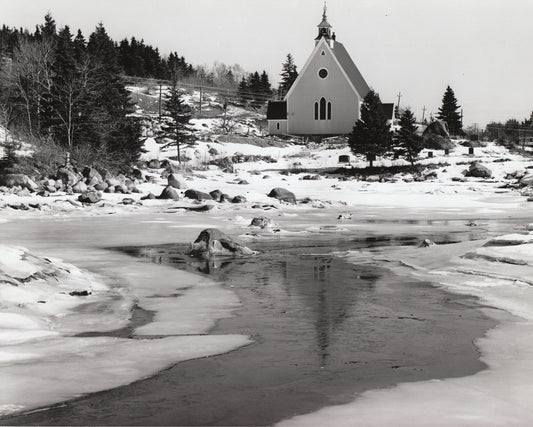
x=322 y=108
x=316 y=110
x=329 y=110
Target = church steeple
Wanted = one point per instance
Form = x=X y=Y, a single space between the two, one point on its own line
x=324 y=29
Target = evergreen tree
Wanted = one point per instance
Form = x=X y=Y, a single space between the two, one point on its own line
x=449 y=112
x=288 y=75
x=264 y=84
x=176 y=128
x=371 y=135
x=243 y=90
x=409 y=143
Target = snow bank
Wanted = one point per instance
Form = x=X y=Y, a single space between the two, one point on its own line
x=46 y=304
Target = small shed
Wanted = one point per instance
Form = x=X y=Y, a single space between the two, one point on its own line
x=277 y=117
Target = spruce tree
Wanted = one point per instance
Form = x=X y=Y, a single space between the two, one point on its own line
x=409 y=143
x=243 y=90
x=449 y=112
x=371 y=135
x=176 y=129
x=288 y=74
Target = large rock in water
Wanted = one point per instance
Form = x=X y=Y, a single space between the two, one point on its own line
x=197 y=195
x=213 y=242
x=477 y=170
x=283 y=195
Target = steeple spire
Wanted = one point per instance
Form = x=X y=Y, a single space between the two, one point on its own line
x=324 y=29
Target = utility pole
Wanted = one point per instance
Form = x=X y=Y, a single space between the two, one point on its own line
x=399 y=97
x=160 y=91
x=200 y=101
x=423 y=113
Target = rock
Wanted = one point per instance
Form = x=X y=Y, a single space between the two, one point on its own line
x=90 y=196
x=149 y=196
x=80 y=293
x=426 y=243
x=216 y=195
x=212 y=242
x=79 y=187
x=170 y=166
x=44 y=193
x=110 y=189
x=203 y=208
x=113 y=181
x=92 y=182
x=529 y=227
x=477 y=170
x=225 y=164
x=122 y=188
x=14 y=179
x=527 y=179
x=169 y=193
x=175 y=182
x=154 y=164
x=311 y=178
x=243 y=182
x=137 y=174
x=213 y=151
x=128 y=201
x=24 y=193
x=68 y=176
x=266 y=176
x=197 y=195
x=101 y=186
x=283 y=195
x=225 y=198
x=263 y=222
x=89 y=173
x=238 y=199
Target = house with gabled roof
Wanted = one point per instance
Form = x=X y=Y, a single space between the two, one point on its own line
x=325 y=98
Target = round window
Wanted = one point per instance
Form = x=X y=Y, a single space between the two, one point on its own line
x=322 y=73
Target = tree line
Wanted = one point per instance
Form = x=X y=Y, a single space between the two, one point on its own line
x=66 y=90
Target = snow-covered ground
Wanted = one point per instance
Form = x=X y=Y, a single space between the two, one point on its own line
x=40 y=319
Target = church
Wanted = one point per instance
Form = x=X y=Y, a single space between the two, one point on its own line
x=326 y=96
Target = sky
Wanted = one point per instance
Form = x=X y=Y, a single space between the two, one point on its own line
x=481 y=48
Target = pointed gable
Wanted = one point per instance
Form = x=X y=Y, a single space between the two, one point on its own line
x=350 y=69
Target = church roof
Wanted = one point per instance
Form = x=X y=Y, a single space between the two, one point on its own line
x=350 y=69
x=324 y=24
x=277 y=110
x=388 y=109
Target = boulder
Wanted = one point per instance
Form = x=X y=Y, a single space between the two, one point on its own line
x=243 y=182
x=137 y=174
x=89 y=173
x=202 y=208
x=79 y=187
x=24 y=193
x=225 y=198
x=128 y=201
x=101 y=186
x=527 y=179
x=426 y=243
x=212 y=242
x=90 y=196
x=14 y=179
x=283 y=195
x=149 y=196
x=68 y=176
x=122 y=188
x=477 y=170
x=263 y=222
x=110 y=189
x=175 y=182
x=113 y=181
x=238 y=199
x=197 y=195
x=169 y=193
x=154 y=164
x=311 y=178
x=216 y=195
